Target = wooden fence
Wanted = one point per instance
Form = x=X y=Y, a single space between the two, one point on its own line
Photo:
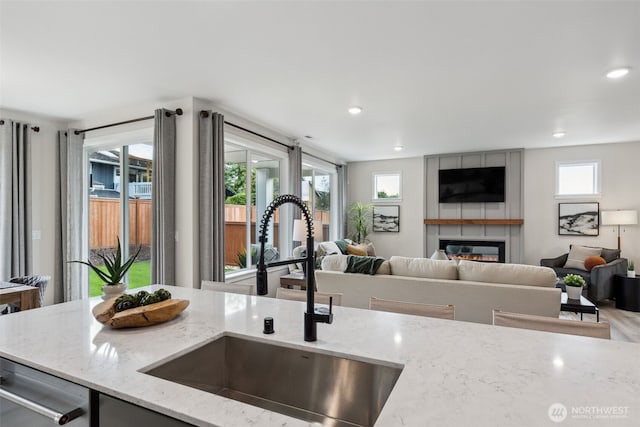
x=104 y=222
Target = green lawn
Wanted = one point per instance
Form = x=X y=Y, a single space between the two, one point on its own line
x=139 y=275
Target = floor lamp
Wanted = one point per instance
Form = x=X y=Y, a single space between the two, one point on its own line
x=628 y=217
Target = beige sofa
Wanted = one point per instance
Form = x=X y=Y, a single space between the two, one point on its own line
x=475 y=289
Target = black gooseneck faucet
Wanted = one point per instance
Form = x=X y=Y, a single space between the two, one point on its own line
x=312 y=316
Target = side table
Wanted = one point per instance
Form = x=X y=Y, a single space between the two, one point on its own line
x=627 y=292
x=294 y=279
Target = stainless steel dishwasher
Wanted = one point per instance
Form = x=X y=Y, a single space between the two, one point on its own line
x=30 y=398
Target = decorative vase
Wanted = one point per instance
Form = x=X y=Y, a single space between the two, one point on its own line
x=110 y=291
x=631 y=274
x=573 y=292
x=440 y=255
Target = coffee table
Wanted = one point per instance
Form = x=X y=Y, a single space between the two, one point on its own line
x=581 y=306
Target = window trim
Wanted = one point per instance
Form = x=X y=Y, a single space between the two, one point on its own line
x=374 y=196
x=598 y=178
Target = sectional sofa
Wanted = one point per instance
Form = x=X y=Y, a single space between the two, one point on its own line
x=475 y=289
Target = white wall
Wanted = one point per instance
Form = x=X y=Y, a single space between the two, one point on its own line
x=410 y=240
x=620 y=175
x=43 y=172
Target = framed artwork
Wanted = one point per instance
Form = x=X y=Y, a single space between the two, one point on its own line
x=386 y=218
x=578 y=219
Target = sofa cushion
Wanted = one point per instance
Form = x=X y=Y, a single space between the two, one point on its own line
x=371 y=250
x=423 y=267
x=514 y=274
x=360 y=250
x=578 y=254
x=592 y=261
x=328 y=248
x=334 y=262
x=385 y=268
x=610 y=255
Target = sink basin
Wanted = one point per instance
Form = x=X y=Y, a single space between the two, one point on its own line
x=309 y=385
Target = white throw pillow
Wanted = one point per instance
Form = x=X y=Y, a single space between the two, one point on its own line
x=578 y=254
x=334 y=263
x=512 y=274
x=423 y=267
x=328 y=248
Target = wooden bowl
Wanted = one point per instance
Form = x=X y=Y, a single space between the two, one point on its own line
x=145 y=315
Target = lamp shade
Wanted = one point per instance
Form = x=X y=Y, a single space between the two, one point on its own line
x=627 y=217
x=299 y=231
x=439 y=254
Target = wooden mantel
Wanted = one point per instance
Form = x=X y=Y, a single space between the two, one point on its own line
x=434 y=221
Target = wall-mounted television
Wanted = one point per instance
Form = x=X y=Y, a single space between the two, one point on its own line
x=471 y=185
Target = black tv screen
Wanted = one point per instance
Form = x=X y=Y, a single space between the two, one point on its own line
x=472 y=185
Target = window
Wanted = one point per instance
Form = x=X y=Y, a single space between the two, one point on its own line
x=578 y=178
x=119 y=203
x=252 y=182
x=387 y=186
x=318 y=193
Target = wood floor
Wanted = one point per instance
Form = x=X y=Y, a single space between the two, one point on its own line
x=625 y=325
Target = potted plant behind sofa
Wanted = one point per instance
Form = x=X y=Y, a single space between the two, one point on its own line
x=360 y=215
x=573 y=284
x=631 y=270
x=113 y=272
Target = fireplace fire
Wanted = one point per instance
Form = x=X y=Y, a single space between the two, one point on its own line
x=474 y=250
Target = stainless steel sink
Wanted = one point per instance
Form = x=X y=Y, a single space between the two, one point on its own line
x=313 y=386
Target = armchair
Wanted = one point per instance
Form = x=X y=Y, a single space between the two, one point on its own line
x=600 y=279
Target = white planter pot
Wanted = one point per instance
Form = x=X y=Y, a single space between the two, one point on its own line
x=110 y=291
x=574 y=292
x=631 y=273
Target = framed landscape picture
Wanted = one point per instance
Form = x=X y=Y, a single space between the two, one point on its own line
x=578 y=219
x=386 y=218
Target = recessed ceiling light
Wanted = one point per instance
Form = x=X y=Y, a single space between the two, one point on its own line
x=618 y=72
x=355 y=110
x=559 y=134
x=398 y=147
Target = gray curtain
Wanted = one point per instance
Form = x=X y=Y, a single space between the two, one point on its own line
x=15 y=199
x=342 y=200
x=211 y=197
x=295 y=177
x=68 y=212
x=163 y=204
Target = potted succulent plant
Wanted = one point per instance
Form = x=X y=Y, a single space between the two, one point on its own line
x=631 y=269
x=573 y=284
x=113 y=271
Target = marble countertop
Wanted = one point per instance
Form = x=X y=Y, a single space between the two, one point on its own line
x=455 y=373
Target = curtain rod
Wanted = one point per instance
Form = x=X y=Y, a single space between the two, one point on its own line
x=320 y=158
x=258 y=134
x=178 y=112
x=205 y=114
x=33 y=128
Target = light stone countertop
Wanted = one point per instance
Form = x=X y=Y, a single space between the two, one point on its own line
x=455 y=373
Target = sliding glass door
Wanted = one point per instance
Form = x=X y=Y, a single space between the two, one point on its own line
x=252 y=182
x=119 y=207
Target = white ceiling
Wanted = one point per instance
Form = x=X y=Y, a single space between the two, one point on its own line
x=432 y=76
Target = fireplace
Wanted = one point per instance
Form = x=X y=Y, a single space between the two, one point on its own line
x=474 y=250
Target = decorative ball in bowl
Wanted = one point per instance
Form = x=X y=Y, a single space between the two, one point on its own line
x=140 y=309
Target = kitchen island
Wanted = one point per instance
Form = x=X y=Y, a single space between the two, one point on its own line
x=454 y=373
